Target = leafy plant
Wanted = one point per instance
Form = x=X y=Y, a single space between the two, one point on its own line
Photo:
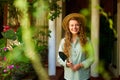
x=13 y=60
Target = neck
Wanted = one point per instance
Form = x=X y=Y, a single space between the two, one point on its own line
x=74 y=38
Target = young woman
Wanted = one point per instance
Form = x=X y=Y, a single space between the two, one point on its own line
x=75 y=50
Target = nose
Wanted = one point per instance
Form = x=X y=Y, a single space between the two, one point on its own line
x=75 y=26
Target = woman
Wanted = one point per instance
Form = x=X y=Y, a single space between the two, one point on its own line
x=75 y=50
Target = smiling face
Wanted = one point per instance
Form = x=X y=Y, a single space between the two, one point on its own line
x=74 y=27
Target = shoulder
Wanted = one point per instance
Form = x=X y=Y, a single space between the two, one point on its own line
x=62 y=40
x=61 y=45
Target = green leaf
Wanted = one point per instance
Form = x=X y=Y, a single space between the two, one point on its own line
x=111 y=23
x=2 y=42
x=85 y=11
x=19 y=34
x=17 y=55
x=10 y=34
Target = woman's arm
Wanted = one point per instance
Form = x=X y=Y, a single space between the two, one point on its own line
x=90 y=55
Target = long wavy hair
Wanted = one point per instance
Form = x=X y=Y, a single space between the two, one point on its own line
x=68 y=36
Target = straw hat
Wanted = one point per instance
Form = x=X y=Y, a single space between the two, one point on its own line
x=68 y=17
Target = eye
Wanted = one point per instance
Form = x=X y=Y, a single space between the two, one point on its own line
x=77 y=24
x=71 y=25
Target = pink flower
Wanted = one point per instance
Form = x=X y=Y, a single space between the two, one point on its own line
x=10 y=67
x=4 y=70
x=5 y=49
x=5 y=59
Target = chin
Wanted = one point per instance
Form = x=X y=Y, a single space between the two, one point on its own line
x=74 y=33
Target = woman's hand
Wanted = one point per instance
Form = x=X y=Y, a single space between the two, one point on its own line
x=77 y=67
x=69 y=64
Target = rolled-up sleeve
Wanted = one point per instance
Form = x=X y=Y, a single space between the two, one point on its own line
x=59 y=59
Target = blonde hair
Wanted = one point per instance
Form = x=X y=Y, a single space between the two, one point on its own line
x=68 y=36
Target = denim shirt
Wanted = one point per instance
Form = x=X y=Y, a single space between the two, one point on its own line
x=77 y=56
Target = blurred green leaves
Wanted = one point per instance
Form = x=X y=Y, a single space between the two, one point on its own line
x=19 y=57
x=2 y=42
x=9 y=34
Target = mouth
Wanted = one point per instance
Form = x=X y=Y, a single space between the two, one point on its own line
x=75 y=30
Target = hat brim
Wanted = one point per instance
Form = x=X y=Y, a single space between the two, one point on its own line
x=68 y=17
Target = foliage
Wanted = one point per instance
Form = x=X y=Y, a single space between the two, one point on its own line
x=86 y=13
x=16 y=56
x=9 y=33
x=13 y=60
x=110 y=21
x=55 y=9
x=3 y=51
x=51 y=6
x=2 y=42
